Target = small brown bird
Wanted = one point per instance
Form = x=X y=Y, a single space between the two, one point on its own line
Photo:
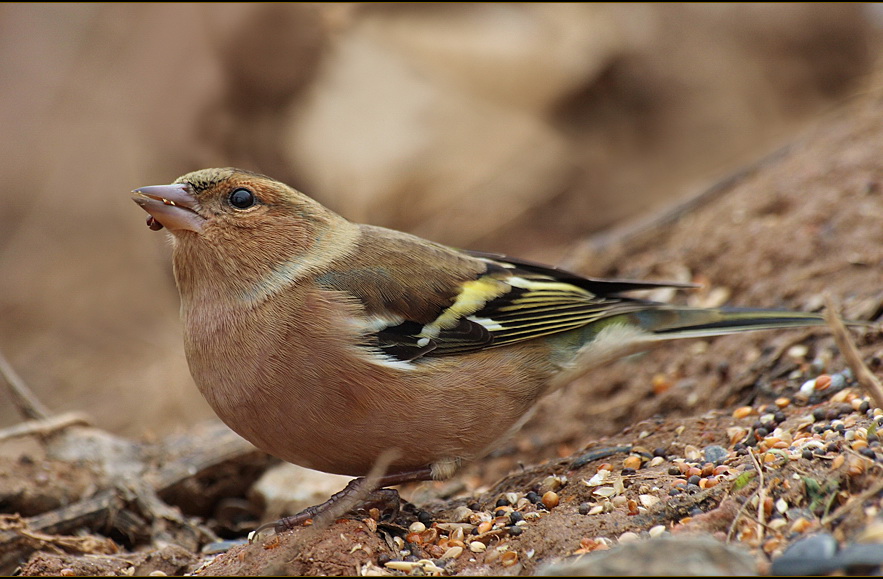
x=329 y=344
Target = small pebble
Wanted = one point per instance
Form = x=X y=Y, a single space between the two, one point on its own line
x=812 y=555
x=715 y=454
x=424 y=517
x=515 y=530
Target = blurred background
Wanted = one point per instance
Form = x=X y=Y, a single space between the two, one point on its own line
x=516 y=128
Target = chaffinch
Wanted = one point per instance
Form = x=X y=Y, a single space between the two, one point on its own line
x=327 y=343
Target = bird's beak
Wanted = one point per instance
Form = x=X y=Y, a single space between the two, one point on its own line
x=171 y=206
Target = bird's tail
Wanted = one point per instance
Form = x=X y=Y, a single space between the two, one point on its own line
x=644 y=327
x=680 y=322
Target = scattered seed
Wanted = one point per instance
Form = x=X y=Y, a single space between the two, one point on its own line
x=461 y=514
x=477 y=547
x=808 y=387
x=550 y=499
x=508 y=558
x=406 y=566
x=801 y=525
x=632 y=462
x=781 y=505
x=798 y=352
x=743 y=411
x=605 y=492
x=656 y=531
x=859 y=444
x=628 y=537
x=648 y=500
x=632 y=507
x=856 y=465
x=661 y=383
x=417 y=527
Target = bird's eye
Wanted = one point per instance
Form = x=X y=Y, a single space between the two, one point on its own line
x=242 y=199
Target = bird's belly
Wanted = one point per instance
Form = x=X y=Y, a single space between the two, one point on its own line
x=345 y=417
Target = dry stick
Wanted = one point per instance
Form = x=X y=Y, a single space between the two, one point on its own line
x=863 y=375
x=44 y=426
x=761 y=496
x=741 y=512
x=22 y=396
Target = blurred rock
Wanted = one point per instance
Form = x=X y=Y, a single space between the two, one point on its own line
x=681 y=556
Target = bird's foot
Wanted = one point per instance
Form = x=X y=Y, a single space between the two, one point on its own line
x=354 y=499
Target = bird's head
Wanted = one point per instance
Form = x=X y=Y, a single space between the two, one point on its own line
x=239 y=223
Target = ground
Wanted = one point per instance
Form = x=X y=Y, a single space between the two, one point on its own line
x=756 y=440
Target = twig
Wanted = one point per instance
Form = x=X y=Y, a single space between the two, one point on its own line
x=22 y=396
x=863 y=375
x=761 y=496
x=44 y=426
x=740 y=513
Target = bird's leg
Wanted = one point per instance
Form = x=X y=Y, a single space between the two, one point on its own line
x=387 y=500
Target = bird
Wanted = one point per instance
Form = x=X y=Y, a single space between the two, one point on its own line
x=334 y=345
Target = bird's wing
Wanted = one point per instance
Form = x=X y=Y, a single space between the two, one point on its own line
x=485 y=301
